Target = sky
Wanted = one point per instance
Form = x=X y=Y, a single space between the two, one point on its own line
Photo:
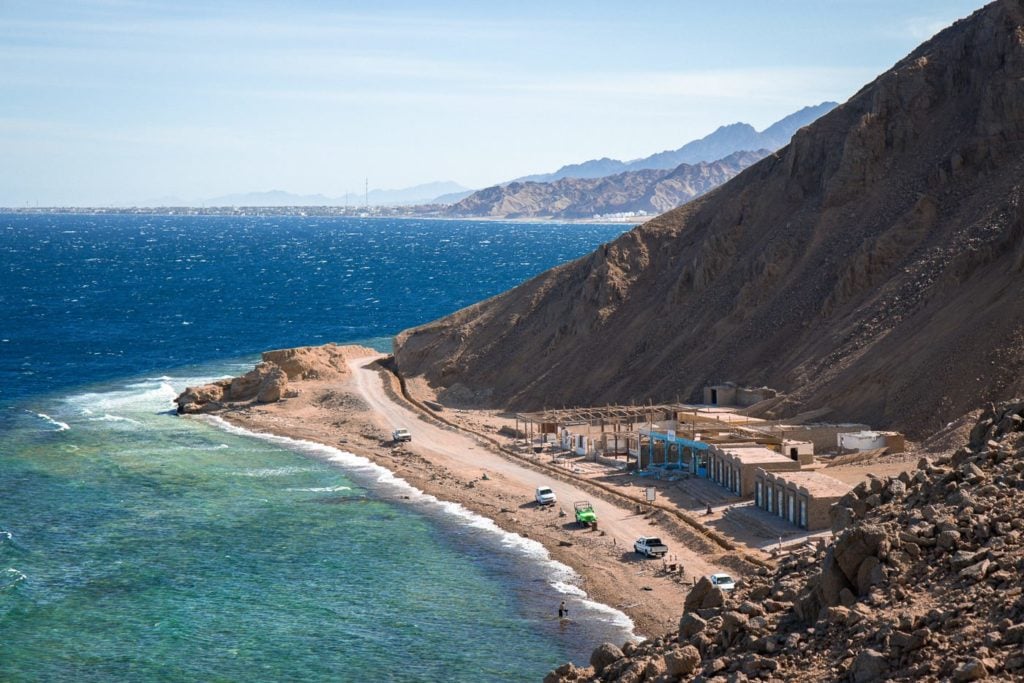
x=112 y=102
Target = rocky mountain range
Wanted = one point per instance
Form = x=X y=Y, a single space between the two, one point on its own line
x=724 y=141
x=648 y=191
x=873 y=267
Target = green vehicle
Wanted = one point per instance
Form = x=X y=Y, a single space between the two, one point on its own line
x=585 y=515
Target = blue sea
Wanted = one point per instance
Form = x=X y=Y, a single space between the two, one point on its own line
x=139 y=546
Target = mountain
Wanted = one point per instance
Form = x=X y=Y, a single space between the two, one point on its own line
x=734 y=137
x=451 y=197
x=648 y=191
x=428 y=193
x=269 y=198
x=874 y=266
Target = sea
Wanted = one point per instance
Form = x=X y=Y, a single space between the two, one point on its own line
x=136 y=545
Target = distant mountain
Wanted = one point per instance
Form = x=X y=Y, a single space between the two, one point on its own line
x=428 y=193
x=451 y=197
x=650 y=191
x=734 y=137
x=268 y=198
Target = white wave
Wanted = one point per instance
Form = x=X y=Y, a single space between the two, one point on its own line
x=145 y=396
x=10 y=578
x=563 y=576
x=263 y=472
x=6 y=536
x=107 y=417
x=614 y=616
x=60 y=426
x=323 y=489
x=568 y=589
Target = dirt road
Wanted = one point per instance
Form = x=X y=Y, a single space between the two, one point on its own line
x=461 y=452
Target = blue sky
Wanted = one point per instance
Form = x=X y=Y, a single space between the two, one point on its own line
x=121 y=101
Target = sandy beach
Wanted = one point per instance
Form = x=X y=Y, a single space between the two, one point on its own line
x=356 y=411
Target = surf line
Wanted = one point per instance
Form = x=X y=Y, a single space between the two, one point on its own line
x=565 y=576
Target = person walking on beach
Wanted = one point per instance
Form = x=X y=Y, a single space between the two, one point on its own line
x=563 y=611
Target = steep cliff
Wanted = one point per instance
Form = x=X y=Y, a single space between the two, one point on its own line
x=873 y=266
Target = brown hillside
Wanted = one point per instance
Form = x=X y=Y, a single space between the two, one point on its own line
x=873 y=266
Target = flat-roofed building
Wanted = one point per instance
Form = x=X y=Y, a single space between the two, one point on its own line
x=735 y=467
x=802 y=498
x=868 y=440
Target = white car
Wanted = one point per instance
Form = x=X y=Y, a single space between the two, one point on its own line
x=545 y=496
x=401 y=434
x=723 y=581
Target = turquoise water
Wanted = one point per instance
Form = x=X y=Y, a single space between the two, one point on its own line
x=139 y=546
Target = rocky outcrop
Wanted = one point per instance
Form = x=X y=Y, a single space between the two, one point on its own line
x=873 y=266
x=924 y=585
x=650 y=191
x=268 y=381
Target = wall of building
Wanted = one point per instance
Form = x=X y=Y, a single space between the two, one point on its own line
x=720 y=395
x=822 y=436
x=792 y=503
x=861 y=441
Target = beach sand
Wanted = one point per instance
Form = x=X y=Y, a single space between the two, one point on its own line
x=356 y=411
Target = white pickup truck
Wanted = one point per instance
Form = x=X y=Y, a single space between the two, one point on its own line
x=545 y=496
x=401 y=434
x=651 y=546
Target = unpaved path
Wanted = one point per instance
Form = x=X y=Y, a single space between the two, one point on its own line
x=460 y=451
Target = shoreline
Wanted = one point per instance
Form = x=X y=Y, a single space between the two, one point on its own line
x=322 y=452
x=350 y=414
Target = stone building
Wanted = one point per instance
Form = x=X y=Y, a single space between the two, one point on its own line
x=801 y=498
x=735 y=467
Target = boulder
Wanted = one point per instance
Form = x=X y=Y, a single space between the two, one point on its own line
x=869 y=666
x=971 y=670
x=603 y=656
x=704 y=595
x=200 y=399
x=869 y=575
x=690 y=625
x=855 y=545
x=682 y=661
x=733 y=626
x=273 y=387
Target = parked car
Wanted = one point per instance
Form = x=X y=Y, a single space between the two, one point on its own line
x=585 y=514
x=545 y=496
x=401 y=434
x=651 y=546
x=723 y=581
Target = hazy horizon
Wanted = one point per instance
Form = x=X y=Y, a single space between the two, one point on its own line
x=113 y=102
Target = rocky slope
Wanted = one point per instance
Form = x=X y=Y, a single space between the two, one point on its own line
x=725 y=140
x=872 y=266
x=649 y=191
x=923 y=583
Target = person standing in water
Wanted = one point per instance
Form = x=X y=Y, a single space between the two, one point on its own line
x=563 y=611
